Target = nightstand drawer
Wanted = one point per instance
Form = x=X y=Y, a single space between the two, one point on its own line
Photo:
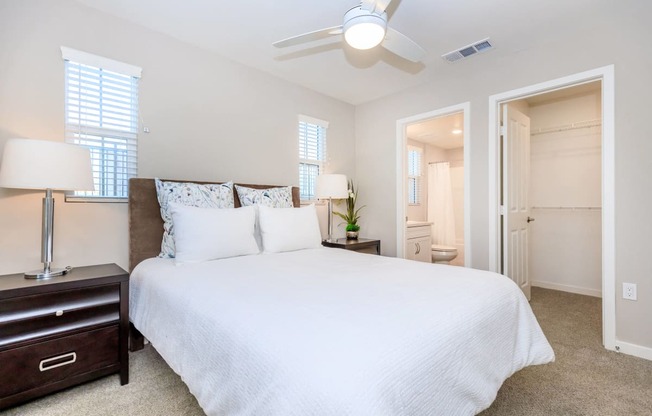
x=37 y=316
x=25 y=307
x=14 y=333
x=47 y=362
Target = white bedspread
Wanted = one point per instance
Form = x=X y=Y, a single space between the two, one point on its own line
x=333 y=332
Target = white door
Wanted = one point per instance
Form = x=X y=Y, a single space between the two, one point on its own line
x=515 y=203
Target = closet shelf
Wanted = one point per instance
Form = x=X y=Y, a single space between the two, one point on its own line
x=568 y=208
x=565 y=127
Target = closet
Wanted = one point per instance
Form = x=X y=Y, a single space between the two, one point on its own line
x=565 y=190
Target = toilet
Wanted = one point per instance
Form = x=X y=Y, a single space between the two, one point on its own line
x=443 y=254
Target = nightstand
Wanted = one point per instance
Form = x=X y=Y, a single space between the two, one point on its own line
x=64 y=331
x=363 y=245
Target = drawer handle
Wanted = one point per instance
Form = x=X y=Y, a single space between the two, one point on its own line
x=72 y=357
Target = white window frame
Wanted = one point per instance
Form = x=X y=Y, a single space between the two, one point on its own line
x=415 y=178
x=104 y=118
x=305 y=124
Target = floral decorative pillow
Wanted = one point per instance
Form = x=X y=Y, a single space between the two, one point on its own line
x=270 y=197
x=192 y=195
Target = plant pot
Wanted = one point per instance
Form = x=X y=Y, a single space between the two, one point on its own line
x=352 y=235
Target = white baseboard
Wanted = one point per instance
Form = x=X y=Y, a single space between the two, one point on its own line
x=568 y=288
x=633 y=349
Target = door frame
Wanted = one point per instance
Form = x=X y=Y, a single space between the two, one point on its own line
x=606 y=75
x=401 y=173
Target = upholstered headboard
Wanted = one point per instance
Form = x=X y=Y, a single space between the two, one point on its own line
x=146 y=224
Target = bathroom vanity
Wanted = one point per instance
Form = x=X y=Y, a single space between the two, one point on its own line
x=418 y=241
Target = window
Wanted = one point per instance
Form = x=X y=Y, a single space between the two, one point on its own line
x=414 y=175
x=101 y=113
x=312 y=154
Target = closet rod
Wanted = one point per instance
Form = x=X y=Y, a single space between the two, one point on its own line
x=565 y=127
x=446 y=161
x=570 y=208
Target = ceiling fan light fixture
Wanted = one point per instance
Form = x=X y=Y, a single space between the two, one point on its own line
x=363 y=29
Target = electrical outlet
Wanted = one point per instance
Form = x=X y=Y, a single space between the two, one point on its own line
x=629 y=291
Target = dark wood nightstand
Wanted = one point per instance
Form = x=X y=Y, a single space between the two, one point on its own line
x=363 y=245
x=63 y=331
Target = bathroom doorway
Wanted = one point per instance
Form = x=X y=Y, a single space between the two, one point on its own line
x=435 y=149
x=433 y=191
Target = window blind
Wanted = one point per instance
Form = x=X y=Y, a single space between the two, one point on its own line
x=414 y=176
x=312 y=154
x=101 y=114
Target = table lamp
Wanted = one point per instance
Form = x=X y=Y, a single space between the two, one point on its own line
x=40 y=164
x=331 y=186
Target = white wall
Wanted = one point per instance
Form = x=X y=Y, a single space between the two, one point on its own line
x=617 y=41
x=565 y=248
x=209 y=117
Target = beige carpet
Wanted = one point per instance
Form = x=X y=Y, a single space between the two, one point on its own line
x=585 y=379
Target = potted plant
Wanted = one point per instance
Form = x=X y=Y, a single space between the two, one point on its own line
x=352 y=214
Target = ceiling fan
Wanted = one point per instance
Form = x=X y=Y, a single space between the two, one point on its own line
x=365 y=27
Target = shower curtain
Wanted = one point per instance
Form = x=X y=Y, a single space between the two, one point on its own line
x=440 y=204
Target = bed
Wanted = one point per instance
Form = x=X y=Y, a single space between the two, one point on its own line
x=323 y=331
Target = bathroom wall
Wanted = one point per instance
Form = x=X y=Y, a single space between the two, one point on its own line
x=565 y=196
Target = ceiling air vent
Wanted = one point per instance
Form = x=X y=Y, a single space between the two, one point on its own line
x=469 y=50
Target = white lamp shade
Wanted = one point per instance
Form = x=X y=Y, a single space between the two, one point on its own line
x=332 y=186
x=41 y=164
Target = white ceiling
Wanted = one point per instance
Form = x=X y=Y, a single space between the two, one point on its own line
x=439 y=131
x=244 y=30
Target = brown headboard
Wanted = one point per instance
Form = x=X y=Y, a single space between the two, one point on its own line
x=146 y=224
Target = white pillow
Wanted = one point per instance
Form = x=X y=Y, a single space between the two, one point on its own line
x=275 y=197
x=203 y=234
x=289 y=229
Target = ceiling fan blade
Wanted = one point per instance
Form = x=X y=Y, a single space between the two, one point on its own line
x=375 y=6
x=401 y=45
x=309 y=37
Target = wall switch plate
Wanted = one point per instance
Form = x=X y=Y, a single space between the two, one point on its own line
x=629 y=291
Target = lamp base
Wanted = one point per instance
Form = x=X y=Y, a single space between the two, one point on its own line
x=43 y=274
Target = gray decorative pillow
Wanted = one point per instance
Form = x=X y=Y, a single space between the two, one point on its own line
x=270 y=197
x=192 y=195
